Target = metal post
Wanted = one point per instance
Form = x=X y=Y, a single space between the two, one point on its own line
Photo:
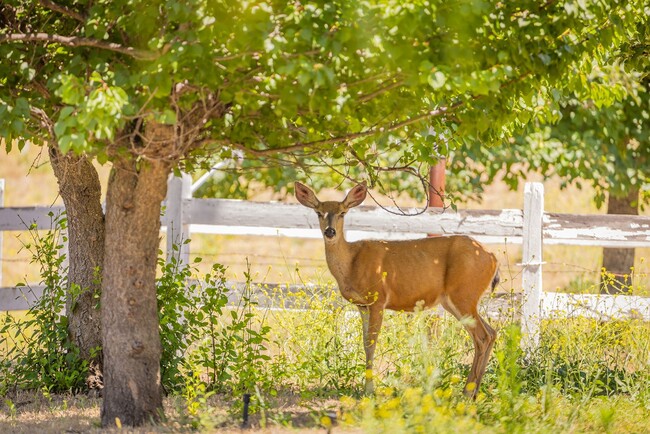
x=437 y=184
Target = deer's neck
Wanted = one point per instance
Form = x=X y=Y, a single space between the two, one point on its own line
x=339 y=258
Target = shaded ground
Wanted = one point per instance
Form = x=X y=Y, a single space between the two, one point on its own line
x=31 y=412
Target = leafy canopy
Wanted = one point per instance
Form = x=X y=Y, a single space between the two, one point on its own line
x=601 y=134
x=362 y=88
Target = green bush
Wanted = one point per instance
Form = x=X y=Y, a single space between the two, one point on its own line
x=204 y=336
x=37 y=352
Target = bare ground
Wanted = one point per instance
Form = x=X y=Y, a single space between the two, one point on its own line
x=32 y=412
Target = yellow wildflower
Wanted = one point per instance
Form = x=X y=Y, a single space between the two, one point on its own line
x=427 y=404
x=325 y=421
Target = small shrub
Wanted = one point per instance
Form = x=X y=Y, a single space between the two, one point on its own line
x=38 y=353
x=188 y=313
x=224 y=344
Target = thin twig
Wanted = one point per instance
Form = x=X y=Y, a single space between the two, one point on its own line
x=367 y=97
x=63 y=10
x=75 y=41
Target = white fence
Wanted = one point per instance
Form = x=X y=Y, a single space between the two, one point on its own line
x=531 y=227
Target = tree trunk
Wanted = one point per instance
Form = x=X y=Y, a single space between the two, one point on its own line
x=132 y=389
x=618 y=262
x=81 y=192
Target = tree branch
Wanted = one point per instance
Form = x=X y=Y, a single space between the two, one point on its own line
x=44 y=120
x=367 y=97
x=74 y=41
x=63 y=10
x=319 y=144
x=344 y=138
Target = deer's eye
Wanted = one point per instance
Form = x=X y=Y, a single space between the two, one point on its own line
x=319 y=214
x=342 y=214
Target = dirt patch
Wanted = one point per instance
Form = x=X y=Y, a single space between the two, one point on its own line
x=31 y=412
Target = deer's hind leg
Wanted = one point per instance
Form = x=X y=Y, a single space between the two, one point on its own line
x=483 y=337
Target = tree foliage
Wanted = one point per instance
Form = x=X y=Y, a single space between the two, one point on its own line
x=599 y=134
x=358 y=87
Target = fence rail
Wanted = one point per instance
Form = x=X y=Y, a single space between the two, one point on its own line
x=531 y=227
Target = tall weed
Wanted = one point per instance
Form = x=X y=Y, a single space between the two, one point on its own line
x=315 y=341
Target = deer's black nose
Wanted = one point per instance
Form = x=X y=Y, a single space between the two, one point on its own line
x=329 y=232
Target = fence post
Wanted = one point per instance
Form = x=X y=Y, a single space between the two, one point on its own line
x=2 y=204
x=532 y=263
x=178 y=229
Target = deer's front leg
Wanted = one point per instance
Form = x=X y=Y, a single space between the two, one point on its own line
x=371 y=319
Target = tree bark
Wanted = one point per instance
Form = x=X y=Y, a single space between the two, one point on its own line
x=619 y=261
x=80 y=189
x=132 y=389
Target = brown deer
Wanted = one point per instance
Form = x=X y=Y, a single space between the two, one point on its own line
x=404 y=275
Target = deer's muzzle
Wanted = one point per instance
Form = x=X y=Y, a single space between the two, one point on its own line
x=329 y=232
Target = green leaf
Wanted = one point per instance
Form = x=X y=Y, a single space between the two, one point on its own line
x=65 y=144
x=168 y=117
x=65 y=112
x=102 y=157
x=437 y=80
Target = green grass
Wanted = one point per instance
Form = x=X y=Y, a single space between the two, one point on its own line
x=586 y=376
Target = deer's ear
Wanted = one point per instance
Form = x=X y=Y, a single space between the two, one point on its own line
x=305 y=196
x=356 y=196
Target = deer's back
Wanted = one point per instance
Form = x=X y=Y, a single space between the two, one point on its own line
x=404 y=274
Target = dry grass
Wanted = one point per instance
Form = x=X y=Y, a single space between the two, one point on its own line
x=33 y=412
x=30 y=412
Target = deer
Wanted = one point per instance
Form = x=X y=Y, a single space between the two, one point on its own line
x=407 y=275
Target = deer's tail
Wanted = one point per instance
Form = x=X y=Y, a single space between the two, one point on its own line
x=495 y=280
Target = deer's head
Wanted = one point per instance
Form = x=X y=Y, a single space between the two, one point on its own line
x=330 y=213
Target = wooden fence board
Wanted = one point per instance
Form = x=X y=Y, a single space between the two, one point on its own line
x=366 y=221
x=21 y=298
x=224 y=212
x=601 y=307
x=597 y=230
x=20 y=218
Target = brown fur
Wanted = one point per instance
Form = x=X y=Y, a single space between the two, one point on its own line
x=405 y=275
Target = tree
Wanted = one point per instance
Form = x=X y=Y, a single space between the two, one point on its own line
x=600 y=138
x=80 y=189
x=155 y=86
x=607 y=147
